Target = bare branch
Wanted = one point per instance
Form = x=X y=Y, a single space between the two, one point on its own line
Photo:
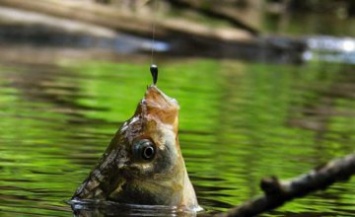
x=277 y=192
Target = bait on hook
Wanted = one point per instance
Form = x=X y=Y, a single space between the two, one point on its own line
x=154 y=72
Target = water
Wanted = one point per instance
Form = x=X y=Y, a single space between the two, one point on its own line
x=240 y=121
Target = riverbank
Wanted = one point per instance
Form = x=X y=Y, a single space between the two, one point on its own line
x=125 y=21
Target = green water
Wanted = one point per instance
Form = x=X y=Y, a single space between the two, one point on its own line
x=239 y=122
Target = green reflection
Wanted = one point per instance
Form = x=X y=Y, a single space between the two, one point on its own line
x=239 y=122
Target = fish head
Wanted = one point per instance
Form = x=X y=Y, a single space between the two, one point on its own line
x=143 y=163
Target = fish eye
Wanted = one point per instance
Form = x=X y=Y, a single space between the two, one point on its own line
x=144 y=149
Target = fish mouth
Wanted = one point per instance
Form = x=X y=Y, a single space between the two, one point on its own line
x=159 y=106
x=156 y=98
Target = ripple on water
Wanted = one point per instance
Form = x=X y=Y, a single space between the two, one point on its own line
x=109 y=208
x=253 y=121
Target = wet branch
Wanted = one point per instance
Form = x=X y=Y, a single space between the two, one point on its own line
x=277 y=192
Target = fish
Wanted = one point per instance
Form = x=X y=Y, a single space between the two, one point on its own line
x=143 y=163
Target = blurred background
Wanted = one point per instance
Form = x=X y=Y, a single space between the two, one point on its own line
x=266 y=87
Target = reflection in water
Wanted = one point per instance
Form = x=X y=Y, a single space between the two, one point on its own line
x=92 y=208
x=330 y=49
x=275 y=49
x=239 y=122
x=42 y=36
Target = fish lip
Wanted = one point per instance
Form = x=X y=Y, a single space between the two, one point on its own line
x=157 y=98
x=159 y=107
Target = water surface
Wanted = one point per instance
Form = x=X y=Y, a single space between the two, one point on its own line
x=239 y=122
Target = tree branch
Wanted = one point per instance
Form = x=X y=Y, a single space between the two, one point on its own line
x=220 y=11
x=126 y=21
x=277 y=192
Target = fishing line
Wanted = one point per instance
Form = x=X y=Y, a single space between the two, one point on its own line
x=153 y=30
x=154 y=67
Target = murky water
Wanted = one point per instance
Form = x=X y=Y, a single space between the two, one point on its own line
x=239 y=122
